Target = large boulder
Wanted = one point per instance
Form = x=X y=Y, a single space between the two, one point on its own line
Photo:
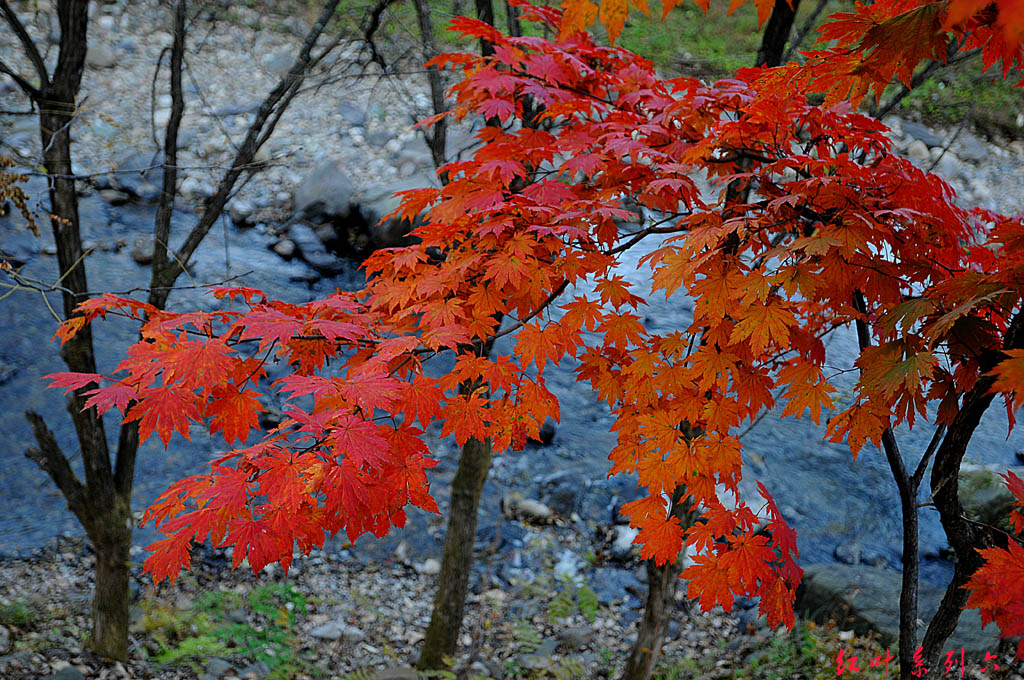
x=381 y=201
x=325 y=194
x=868 y=598
x=922 y=133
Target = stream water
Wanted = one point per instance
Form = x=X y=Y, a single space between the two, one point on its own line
x=832 y=501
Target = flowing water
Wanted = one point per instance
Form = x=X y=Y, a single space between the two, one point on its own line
x=832 y=501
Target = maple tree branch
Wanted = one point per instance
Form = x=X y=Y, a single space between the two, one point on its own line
x=23 y=282
x=162 y=227
x=933 y=445
x=26 y=86
x=953 y=56
x=540 y=308
x=806 y=28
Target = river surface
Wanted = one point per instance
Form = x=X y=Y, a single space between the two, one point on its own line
x=830 y=499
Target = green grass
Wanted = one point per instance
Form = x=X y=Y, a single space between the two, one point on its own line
x=692 y=42
x=808 y=652
x=991 y=101
x=207 y=630
x=17 y=613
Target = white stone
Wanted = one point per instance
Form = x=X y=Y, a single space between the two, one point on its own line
x=430 y=567
x=190 y=186
x=160 y=117
x=101 y=56
x=918 y=151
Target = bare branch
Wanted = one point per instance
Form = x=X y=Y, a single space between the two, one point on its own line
x=801 y=34
x=26 y=42
x=49 y=457
x=26 y=86
x=436 y=140
x=269 y=113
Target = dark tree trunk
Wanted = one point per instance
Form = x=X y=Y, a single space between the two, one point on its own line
x=776 y=33
x=105 y=513
x=103 y=502
x=450 y=601
x=662 y=581
x=661 y=600
x=442 y=635
x=112 y=539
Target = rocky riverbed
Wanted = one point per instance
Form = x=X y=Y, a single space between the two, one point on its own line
x=328 y=171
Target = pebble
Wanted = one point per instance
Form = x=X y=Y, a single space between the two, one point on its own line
x=142 y=251
x=527 y=509
x=101 y=56
x=430 y=567
x=113 y=196
x=285 y=248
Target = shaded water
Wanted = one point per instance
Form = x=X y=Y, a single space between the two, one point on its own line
x=830 y=499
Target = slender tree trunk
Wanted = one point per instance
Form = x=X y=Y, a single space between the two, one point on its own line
x=474 y=465
x=437 y=136
x=103 y=502
x=661 y=600
x=450 y=600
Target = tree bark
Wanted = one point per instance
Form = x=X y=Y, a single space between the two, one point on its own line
x=437 y=136
x=964 y=537
x=662 y=583
x=103 y=502
x=776 y=33
x=111 y=537
x=449 y=603
x=474 y=465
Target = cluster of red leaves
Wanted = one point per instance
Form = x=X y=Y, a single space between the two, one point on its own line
x=530 y=220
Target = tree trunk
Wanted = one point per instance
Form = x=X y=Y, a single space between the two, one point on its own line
x=110 y=531
x=776 y=33
x=442 y=636
x=112 y=541
x=661 y=598
x=449 y=602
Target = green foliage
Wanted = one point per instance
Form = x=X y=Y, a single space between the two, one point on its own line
x=992 y=103
x=677 y=669
x=571 y=598
x=268 y=636
x=691 y=42
x=528 y=637
x=794 y=655
x=17 y=613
